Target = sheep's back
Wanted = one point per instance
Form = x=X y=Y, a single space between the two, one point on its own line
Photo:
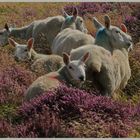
x=48 y=28
x=45 y=65
x=69 y=39
x=41 y=85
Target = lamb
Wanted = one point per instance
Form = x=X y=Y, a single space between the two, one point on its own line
x=42 y=64
x=48 y=28
x=73 y=72
x=107 y=71
x=112 y=37
x=70 y=38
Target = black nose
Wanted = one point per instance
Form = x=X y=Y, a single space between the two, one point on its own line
x=129 y=44
x=81 y=78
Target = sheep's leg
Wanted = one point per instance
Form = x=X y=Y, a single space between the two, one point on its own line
x=106 y=82
x=106 y=92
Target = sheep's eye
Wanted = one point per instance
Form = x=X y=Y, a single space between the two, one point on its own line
x=25 y=50
x=81 y=21
x=70 y=67
x=117 y=32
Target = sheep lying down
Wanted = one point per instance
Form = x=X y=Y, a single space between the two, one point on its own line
x=109 y=72
x=42 y=63
x=73 y=72
x=45 y=65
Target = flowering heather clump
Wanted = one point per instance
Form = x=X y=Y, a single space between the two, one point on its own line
x=6 y=129
x=69 y=112
x=5 y=59
x=14 y=81
x=133 y=24
x=91 y=7
x=43 y=124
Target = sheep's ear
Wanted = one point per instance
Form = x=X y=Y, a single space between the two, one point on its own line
x=107 y=21
x=85 y=57
x=30 y=43
x=64 y=13
x=97 y=24
x=75 y=12
x=66 y=58
x=123 y=28
x=6 y=27
x=12 y=42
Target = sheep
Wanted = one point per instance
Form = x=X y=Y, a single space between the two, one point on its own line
x=70 y=38
x=112 y=37
x=107 y=71
x=73 y=72
x=42 y=64
x=48 y=27
x=118 y=43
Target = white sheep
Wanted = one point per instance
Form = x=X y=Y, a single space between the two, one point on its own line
x=118 y=43
x=111 y=37
x=42 y=64
x=73 y=72
x=109 y=62
x=47 y=28
x=108 y=72
x=70 y=38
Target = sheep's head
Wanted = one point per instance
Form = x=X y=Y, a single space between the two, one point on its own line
x=76 y=68
x=80 y=25
x=112 y=36
x=4 y=34
x=22 y=51
x=74 y=21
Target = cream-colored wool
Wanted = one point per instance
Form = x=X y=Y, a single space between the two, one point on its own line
x=46 y=28
x=73 y=72
x=108 y=71
x=42 y=64
x=69 y=39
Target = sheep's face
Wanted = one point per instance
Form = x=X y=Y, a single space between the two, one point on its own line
x=69 y=23
x=76 y=68
x=22 y=51
x=80 y=25
x=74 y=21
x=4 y=34
x=4 y=37
x=112 y=36
x=119 y=39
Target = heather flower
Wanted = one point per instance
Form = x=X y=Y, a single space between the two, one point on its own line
x=133 y=23
x=14 y=81
x=74 y=105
